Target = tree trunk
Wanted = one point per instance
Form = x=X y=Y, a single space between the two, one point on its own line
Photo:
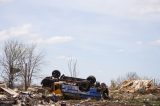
x=11 y=78
x=25 y=78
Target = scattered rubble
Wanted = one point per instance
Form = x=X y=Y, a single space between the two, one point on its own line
x=131 y=93
x=7 y=96
x=33 y=97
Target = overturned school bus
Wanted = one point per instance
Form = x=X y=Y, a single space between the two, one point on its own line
x=65 y=87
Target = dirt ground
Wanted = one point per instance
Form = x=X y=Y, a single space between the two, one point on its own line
x=117 y=99
x=111 y=103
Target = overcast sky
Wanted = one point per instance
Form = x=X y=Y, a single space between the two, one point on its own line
x=107 y=37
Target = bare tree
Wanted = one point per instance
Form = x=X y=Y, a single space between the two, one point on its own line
x=31 y=65
x=20 y=61
x=10 y=61
x=132 y=76
x=72 y=66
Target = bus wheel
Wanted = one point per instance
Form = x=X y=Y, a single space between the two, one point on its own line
x=56 y=74
x=84 y=86
x=91 y=79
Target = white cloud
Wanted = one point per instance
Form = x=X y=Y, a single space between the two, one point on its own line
x=25 y=33
x=66 y=57
x=15 y=32
x=5 y=1
x=120 y=50
x=125 y=8
x=148 y=6
x=58 y=39
x=139 y=42
x=21 y=31
x=155 y=42
x=61 y=57
x=52 y=40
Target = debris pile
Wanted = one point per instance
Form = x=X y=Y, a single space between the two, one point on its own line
x=137 y=92
x=32 y=97
x=132 y=86
x=7 y=95
x=131 y=93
